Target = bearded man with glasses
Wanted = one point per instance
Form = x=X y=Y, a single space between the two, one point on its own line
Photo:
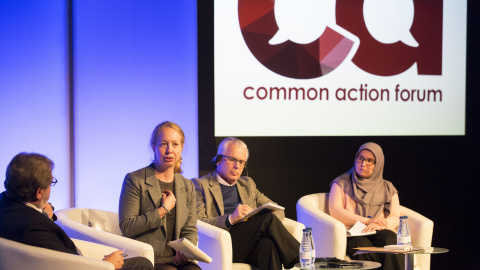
x=224 y=197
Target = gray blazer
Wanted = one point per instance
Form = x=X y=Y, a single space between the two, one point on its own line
x=210 y=206
x=138 y=215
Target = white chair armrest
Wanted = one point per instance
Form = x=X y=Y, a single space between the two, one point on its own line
x=420 y=226
x=422 y=233
x=77 y=230
x=294 y=227
x=217 y=244
x=329 y=234
x=93 y=250
x=18 y=256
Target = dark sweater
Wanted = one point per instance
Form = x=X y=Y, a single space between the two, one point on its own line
x=231 y=199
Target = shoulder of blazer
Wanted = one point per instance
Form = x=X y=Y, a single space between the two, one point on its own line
x=187 y=183
x=246 y=182
x=204 y=180
x=142 y=176
x=138 y=174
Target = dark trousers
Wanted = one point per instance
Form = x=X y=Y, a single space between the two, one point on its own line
x=264 y=242
x=169 y=266
x=137 y=263
x=380 y=239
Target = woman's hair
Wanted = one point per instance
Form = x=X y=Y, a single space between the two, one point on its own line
x=25 y=174
x=156 y=134
x=231 y=140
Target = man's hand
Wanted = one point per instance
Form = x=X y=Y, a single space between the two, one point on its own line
x=241 y=211
x=48 y=209
x=115 y=258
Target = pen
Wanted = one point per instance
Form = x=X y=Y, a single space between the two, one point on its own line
x=123 y=255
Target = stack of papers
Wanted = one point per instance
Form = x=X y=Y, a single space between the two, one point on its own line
x=398 y=247
x=190 y=251
x=362 y=250
x=262 y=209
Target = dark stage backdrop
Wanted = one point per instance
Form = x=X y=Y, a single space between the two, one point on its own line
x=435 y=175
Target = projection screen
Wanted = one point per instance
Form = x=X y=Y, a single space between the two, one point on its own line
x=339 y=68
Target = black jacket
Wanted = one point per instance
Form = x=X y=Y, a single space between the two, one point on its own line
x=21 y=223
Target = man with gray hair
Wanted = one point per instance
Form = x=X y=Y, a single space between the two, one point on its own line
x=224 y=197
x=26 y=217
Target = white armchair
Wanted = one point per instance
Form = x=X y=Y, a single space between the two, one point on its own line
x=18 y=256
x=100 y=227
x=217 y=243
x=330 y=235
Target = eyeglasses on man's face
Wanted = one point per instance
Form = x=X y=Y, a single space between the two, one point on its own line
x=368 y=161
x=232 y=160
x=54 y=181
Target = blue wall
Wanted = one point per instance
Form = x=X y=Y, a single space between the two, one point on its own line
x=33 y=86
x=135 y=66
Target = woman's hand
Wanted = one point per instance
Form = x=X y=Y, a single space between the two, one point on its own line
x=378 y=220
x=376 y=224
x=373 y=227
x=168 y=199
x=179 y=259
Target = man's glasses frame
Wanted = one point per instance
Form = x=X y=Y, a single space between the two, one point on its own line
x=233 y=160
x=54 y=181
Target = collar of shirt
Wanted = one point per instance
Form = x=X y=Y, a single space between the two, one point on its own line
x=223 y=182
x=34 y=207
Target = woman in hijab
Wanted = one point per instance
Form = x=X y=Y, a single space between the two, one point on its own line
x=362 y=195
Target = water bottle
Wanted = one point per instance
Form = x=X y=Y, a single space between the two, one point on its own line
x=305 y=252
x=404 y=236
x=312 y=243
